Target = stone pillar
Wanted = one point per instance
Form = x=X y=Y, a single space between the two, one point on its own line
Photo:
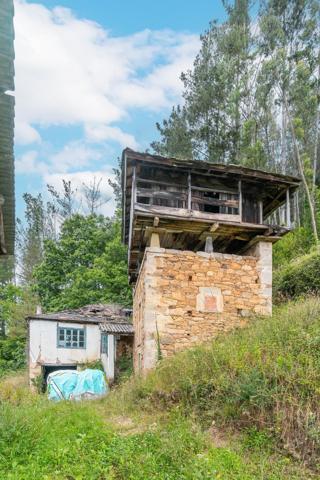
x=263 y=251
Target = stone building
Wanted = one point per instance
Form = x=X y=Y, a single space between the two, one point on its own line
x=199 y=239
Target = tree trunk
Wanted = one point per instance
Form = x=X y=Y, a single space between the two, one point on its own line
x=301 y=171
x=315 y=156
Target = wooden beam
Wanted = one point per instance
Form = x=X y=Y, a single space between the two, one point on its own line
x=214 y=227
x=180 y=213
x=3 y=249
x=288 y=212
x=189 y=192
x=240 y=200
x=133 y=202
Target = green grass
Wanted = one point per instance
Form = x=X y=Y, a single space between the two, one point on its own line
x=71 y=441
x=265 y=376
x=244 y=407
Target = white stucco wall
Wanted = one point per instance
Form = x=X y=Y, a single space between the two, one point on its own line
x=43 y=344
x=108 y=360
x=43 y=348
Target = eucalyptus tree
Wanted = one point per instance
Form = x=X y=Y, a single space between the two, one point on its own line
x=289 y=43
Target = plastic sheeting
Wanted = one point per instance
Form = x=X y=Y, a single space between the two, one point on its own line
x=74 y=385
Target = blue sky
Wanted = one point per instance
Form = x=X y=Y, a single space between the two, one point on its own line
x=93 y=77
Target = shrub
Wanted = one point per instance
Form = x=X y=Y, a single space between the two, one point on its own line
x=300 y=277
x=12 y=354
x=291 y=246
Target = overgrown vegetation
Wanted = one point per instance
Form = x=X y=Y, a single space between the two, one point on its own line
x=299 y=277
x=244 y=407
x=12 y=354
x=265 y=376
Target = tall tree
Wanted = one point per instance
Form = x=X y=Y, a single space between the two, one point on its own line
x=86 y=264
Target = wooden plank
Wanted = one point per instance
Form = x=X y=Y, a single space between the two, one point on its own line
x=180 y=213
x=215 y=189
x=215 y=202
x=159 y=182
x=133 y=202
x=240 y=199
x=189 y=191
x=288 y=212
x=144 y=192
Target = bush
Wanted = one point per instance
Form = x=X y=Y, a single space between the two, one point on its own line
x=300 y=277
x=291 y=246
x=12 y=354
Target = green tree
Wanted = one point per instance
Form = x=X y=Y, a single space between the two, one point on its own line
x=86 y=264
x=16 y=303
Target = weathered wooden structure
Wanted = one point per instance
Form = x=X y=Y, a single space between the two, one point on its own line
x=7 y=203
x=199 y=241
x=194 y=205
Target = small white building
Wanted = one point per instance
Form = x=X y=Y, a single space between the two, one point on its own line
x=73 y=338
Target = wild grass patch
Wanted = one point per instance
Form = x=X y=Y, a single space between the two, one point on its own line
x=266 y=376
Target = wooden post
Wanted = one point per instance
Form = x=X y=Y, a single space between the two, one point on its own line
x=240 y=200
x=133 y=201
x=3 y=249
x=260 y=212
x=209 y=245
x=288 y=212
x=189 y=191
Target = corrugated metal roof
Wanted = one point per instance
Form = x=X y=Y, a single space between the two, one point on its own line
x=7 y=121
x=117 y=328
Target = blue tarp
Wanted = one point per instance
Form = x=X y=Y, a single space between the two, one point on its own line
x=74 y=385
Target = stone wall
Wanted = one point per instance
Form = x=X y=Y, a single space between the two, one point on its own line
x=183 y=298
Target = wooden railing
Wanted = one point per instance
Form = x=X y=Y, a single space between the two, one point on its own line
x=210 y=200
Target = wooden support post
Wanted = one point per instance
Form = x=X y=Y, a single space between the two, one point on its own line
x=288 y=212
x=209 y=245
x=3 y=249
x=189 y=192
x=133 y=201
x=260 y=212
x=240 y=200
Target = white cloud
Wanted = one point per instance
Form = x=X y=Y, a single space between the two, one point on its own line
x=74 y=155
x=29 y=163
x=25 y=134
x=70 y=71
x=100 y=132
x=78 y=179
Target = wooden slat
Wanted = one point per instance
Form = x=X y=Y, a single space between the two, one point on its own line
x=216 y=202
x=215 y=189
x=144 y=192
x=159 y=182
